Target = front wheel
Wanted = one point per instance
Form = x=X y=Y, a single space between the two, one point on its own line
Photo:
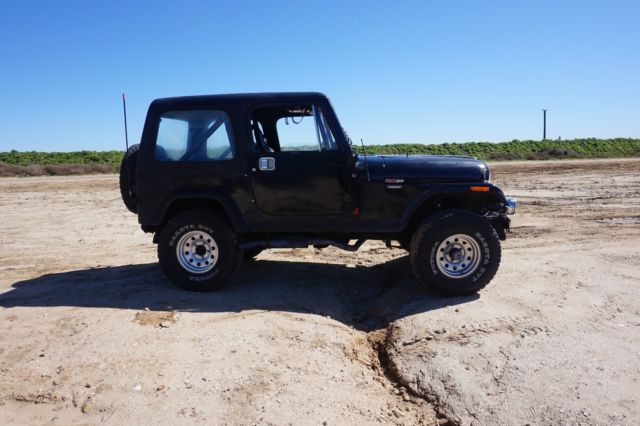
x=197 y=250
x=455 y=252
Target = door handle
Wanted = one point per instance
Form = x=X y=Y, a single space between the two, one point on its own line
x=267 y=163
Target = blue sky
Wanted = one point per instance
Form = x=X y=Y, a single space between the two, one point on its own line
x=396 y=71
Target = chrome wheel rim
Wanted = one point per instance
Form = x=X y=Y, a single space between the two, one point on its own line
x=458 y=256
x=197 y=252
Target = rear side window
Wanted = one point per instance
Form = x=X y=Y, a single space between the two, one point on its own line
x=194 y=136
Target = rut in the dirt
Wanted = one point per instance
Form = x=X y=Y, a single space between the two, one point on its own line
x=379 y=328
x=380 y=342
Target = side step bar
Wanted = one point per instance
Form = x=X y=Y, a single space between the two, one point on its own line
x=300 y=243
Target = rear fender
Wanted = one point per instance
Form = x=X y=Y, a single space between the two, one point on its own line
x=191 y=199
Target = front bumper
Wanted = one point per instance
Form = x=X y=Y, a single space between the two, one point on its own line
x=499 y=220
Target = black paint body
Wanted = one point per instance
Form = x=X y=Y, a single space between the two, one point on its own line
x=327 y=193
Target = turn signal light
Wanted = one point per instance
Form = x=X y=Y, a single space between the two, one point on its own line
x=479 y=188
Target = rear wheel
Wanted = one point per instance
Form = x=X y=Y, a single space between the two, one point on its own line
x=197 y=250
x=455 y=252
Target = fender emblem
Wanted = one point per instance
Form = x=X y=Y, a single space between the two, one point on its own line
x=392 y=183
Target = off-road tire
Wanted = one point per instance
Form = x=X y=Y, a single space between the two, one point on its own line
x=429 y=244
x=199 y=225
x=128 y=185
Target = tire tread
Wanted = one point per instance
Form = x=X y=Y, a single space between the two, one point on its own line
x=217 y=221
x=419 y=236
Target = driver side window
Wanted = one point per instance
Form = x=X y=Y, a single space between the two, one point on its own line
x=292 y=128
x=297 y=134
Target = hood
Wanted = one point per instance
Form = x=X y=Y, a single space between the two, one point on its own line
x=434 y=168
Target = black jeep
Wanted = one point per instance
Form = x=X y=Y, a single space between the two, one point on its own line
x=220 y=178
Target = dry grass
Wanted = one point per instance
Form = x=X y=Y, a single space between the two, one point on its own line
x=54 y=169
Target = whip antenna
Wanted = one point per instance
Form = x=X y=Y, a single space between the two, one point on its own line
x=126 y=142
x=126 y=134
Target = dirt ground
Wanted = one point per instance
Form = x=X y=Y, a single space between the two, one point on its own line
x=91 y=332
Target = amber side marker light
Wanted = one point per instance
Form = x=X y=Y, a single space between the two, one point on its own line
x=479 y=188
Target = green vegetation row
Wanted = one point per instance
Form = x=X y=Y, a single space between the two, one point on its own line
x=514 y=150
x=520 y=150
x=25 y=158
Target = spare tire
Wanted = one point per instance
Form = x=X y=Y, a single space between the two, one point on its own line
x=128 y=184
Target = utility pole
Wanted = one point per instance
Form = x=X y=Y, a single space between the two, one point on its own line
x=544 y=124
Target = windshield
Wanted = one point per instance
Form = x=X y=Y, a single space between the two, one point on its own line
x=348 y=139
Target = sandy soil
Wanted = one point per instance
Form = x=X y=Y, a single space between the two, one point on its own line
x=91 y=331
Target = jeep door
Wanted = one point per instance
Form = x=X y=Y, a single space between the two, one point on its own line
x=296 y=165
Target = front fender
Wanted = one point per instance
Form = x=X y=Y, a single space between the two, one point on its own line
x=460 y=195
